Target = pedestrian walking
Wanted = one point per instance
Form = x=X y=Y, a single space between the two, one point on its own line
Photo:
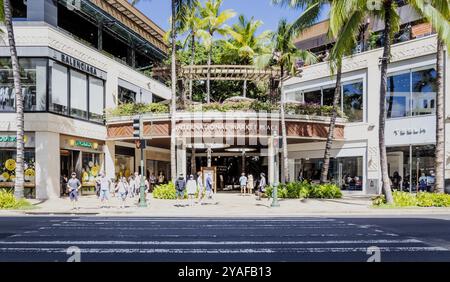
x=180 y=185
x=243 y=183
x=261 y=186
x=209 y=186
x=200 y=187
x=152 y=182
x=250 y=184
x=105 y=185
x=73 y=186
x=122 y=190
x=191 y=187
x=161 y=178
x=131 y=182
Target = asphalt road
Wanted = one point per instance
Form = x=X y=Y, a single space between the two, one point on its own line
x=235 y=239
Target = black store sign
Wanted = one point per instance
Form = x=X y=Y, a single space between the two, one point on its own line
x=80 y=65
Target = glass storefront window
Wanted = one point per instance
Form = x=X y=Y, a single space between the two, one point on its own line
x=33 y=73
x=313 y=97
x=328 y=96
x=91 y=165
x=126 y=96
x=411 y=94
x=78 y=94
x=398 y=95
x=408 y=165
x=424 y=92
x=346 y=172
x=58 y=93
x=124 y=166
x=96 y=98
x=8 y=166
x=353 y=101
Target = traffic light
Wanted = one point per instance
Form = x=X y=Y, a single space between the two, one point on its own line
x=137 y=127
x=140 y=144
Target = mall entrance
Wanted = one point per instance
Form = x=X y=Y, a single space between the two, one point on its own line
x=229 y=167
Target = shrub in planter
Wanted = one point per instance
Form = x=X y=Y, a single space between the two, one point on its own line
x=425 y=199
x=8 y=201
x=165 y=191
x=379 y=200
x=325 y=191
x=404 y=199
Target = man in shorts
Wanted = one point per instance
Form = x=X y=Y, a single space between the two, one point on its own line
x=105 y=184
x=73 y=185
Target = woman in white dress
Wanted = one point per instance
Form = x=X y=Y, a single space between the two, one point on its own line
x=191 y=187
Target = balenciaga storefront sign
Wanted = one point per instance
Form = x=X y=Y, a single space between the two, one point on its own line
x=78 y=64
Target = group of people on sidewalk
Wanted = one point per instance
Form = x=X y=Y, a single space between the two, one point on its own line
x=201 y=187
x=247 y=185
x=123 y=189
x=195 y=187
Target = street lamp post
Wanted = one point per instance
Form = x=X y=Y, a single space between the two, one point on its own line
x=275 y=143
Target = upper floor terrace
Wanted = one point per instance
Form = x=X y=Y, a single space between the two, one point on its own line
x=113 y=27
x=316 y=39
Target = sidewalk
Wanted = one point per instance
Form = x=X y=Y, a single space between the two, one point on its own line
x=223 y=205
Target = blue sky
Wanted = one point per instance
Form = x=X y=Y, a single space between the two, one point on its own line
x=159 y=11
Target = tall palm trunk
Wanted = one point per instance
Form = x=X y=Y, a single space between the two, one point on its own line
x=382 y=118
x=173 y=165
x=283 y=130
x=192 y=64
x=440 y=124
x=208 y=79
x=19 y=180
x=330 y=137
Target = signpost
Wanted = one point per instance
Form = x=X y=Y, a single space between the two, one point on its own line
x=138 y=132
x=276 y=147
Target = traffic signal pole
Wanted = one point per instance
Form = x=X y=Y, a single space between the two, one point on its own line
x=138 y=132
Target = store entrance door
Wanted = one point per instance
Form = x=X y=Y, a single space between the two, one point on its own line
x=69 y=163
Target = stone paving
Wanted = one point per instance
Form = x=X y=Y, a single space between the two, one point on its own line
x=223 y=205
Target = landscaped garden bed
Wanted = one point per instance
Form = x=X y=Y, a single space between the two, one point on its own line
x=421 y=199
x=305 y=190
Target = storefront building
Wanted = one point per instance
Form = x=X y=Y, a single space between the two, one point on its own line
x=71 y=74
x=410 y=126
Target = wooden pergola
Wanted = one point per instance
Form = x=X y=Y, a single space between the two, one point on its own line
x=220 y=72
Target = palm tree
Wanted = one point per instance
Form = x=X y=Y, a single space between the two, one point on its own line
x=340 y=14
x=309 y=16
x=244 y=44
x=191 y=26
x=437 y=12
x=178 y=19
x=6 y=17
x=215 y=20
x=286 y=57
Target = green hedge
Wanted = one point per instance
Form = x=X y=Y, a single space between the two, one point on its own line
x=165 y=191
x=8 y=201
x=421 y=199
x=132 y=109
x=257 y=106
x=303 y=190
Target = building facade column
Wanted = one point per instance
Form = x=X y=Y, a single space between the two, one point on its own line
x=181 y=158
x=109 y=166
x=270 y=161
x=48 y=164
